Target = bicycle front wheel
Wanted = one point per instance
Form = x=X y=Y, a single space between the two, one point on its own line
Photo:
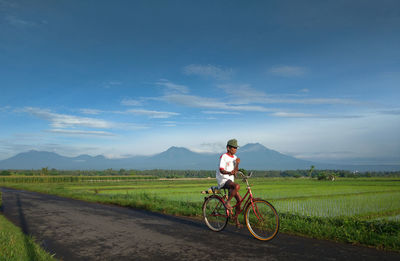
x=262 y=220
x=215 y=213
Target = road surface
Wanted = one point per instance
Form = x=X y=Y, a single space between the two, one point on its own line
x=77 y=230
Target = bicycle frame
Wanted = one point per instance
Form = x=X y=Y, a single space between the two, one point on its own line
x=261 y=211
x=249 y=200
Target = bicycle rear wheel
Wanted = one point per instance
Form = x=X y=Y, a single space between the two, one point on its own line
x=262 y=220
x=215 y=213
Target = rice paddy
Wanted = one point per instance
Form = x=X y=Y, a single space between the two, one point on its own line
x=366 y=199
x=363 y=210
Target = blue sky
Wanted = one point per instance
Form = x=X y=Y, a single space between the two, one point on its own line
x=317 y=80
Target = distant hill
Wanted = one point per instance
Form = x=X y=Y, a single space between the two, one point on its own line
x=253 y=156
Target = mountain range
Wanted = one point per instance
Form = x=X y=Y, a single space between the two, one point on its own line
x=253 y=156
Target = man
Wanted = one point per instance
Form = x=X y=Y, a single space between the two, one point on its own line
x=228 y=167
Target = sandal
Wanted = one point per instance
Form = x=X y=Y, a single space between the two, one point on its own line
x=237 y=223
x=239 y=226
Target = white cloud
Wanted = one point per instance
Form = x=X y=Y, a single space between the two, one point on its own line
x=81 y=132
x=288 y=71
x=172 y=86
x=210 y=103
x=220 y=112
x=169 y=124
x=64 y=121
x=18 y=22
x=244 y=92
x=315 y=101
x=391 y=112
x=131 y=102
x=313 y=115
x=153 y=114
x=5 y=109
x=369 y=136
x=111 y=84
x=194 y=101
x=208 y=71
x=294 y=114
x=91 y=111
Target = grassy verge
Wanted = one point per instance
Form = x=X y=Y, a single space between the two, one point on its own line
x=15 y=245
x=379 y=234
x=382 y=234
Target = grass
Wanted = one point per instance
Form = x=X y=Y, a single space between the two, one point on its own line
x=15 y=245
x=361 y=211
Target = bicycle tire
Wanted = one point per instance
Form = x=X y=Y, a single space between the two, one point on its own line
x=215 y=213
x=262 y=221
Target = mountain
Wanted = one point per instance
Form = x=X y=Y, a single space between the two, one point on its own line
x=253 y=156
x=256 y=156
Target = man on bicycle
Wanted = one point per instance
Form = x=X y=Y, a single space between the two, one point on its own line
x=228 y=167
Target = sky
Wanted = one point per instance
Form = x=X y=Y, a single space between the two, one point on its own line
x=317 y=80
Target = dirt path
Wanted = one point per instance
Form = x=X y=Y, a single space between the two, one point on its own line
x=76 y=230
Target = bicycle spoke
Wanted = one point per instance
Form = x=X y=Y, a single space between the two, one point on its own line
x=214 y=213
x=262 y=220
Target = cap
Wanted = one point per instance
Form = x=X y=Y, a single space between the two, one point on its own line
x=232 y=143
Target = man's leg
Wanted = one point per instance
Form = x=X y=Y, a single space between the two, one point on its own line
x=234 y=192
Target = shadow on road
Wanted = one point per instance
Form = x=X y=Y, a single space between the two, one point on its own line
x=30 y=248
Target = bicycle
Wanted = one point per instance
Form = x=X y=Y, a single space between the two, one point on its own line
x=261 y=218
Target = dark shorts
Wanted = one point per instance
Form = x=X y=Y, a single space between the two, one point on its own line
x=227 y=184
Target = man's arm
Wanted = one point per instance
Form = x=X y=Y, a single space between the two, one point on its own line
x=236 y=166
x=226 y=172
x=234 y=171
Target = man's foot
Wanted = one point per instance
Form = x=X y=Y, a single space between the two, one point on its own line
x=239 y=226
x=237 y=223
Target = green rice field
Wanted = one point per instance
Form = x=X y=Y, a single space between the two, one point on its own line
x=363 y=210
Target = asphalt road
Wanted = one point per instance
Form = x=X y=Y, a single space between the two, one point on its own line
x=77 y=230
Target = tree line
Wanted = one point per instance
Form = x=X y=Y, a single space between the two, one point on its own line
x=163 y=173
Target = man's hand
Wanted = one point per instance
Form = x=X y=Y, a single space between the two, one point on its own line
x=237 y=161
x=233 y=172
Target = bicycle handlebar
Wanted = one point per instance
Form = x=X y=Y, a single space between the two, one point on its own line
x=244 y=176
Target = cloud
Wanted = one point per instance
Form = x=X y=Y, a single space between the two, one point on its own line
x=172 y=86
x=91 y=111
x=75 y=125
x=293 y=115
x=111 y=84
x=219 y=112
x=287 y=71
x=315 y=101
x=5 y=109
x=131 y=102
x=81 y=132
x=244 y=92
x=194 y=101
x=210 y=103
x=311 y=115
x=18 y=22
x=169 y=124
x=153 y=114
x=63 y=120
x=391 y=112
x=209 y=70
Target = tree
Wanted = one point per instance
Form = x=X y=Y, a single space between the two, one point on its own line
x=5 y=173
x=44 y=171
x=311 y=171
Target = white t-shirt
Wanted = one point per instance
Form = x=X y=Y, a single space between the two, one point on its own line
x=226 y=163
